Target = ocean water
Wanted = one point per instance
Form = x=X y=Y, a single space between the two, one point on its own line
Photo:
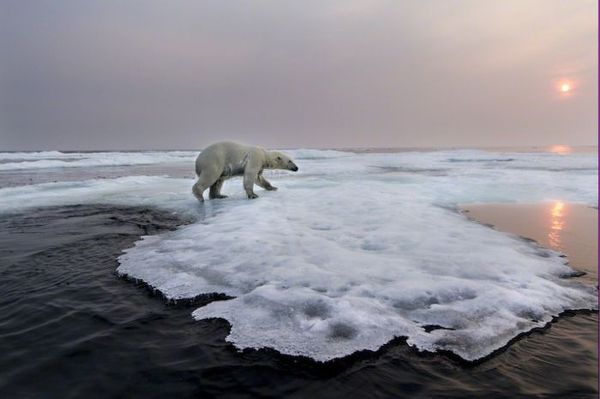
x=359 y=260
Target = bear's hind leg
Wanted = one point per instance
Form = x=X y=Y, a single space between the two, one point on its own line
x=197 y=189
x=215 y=190
x=204 y=182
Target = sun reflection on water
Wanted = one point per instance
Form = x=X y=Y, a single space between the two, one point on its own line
x=557 y=223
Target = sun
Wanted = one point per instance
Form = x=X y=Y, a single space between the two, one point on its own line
x=565 y=87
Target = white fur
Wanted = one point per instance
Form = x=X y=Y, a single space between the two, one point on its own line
x=221 y=161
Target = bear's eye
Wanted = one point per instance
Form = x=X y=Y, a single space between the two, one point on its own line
x=279 y=158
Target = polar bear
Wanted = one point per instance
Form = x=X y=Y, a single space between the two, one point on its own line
x=221 y=161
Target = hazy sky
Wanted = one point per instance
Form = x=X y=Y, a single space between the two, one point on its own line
x=142 y=74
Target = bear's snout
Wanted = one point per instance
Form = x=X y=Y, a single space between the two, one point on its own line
x=292 y=166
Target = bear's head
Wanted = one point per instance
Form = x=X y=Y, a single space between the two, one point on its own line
x=281 y=161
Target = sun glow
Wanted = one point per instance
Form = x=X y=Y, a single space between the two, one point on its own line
x=561 y=149
x=565 y=87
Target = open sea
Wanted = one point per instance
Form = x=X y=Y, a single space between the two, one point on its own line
x=357 y=278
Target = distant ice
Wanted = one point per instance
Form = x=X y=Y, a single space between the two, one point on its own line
x=56 y=159
x=356 y=249
x=317 y=154
x=36 y=155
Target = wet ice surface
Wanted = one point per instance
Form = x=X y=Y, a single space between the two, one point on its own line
x=356 y=249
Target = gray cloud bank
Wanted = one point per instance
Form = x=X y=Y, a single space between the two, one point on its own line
x=152 y=74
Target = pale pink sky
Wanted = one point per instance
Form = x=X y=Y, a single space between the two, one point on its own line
x=138 y=74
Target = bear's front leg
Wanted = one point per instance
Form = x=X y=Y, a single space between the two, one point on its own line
x=264 y=183
x=249 y=180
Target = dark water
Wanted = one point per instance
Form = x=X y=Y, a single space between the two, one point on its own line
x=71 y=328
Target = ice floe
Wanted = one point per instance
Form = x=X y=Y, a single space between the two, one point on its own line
x=356 y=249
